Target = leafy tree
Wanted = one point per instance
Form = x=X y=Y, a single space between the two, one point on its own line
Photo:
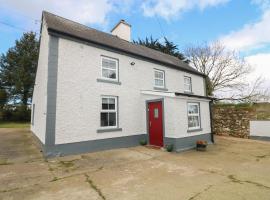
x=3 y=98
x=167 y=47
x=18 y=68
x=226 y=72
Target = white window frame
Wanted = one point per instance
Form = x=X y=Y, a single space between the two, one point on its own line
x=115 y=110
x=116 y=70
x=194 y=114
x=159 y=71
x=188 y=85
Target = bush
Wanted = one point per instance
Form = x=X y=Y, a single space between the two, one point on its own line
x=15 y=113
x=169 y=147
x=143 y=142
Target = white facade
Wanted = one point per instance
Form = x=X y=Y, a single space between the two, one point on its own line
x=79 y=95
x=71 y=82
x=39 y=100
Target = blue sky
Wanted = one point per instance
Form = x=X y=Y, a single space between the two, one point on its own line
x=242 y=25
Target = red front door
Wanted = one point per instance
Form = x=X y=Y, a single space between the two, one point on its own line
x=155 y=123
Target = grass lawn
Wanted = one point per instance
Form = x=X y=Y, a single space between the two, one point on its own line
x=14 y=124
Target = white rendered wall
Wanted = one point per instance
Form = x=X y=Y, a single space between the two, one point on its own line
x=260 y=128
x=79 y=94
x=176 y=120
x=40 y=88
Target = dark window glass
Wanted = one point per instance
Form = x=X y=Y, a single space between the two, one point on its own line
x=104 y=119
x=112 y=119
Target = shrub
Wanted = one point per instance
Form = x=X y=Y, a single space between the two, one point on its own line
x=169 y=147
x=15 y=113
x=143 y=142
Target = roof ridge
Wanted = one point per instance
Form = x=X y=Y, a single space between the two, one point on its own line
x=111 y=35
x=66 y=26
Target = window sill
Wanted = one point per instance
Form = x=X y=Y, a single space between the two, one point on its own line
x=108 y=130
x=194 y=130
x=162 y=89
x=108 y=81
x=188 y=92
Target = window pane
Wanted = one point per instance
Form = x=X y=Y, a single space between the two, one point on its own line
x=193 y=109
x=112 y=74
x=156 y=113
x=187 y=87
x=108 y=63
x=158 y=82
x=193 y=121
x=112 y=119
x=111 y=104
x=159 y=75
x=107 y=73
x=104 y=119
x=104 y=104
x=187 y=80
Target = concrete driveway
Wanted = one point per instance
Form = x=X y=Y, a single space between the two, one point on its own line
x=230 y=169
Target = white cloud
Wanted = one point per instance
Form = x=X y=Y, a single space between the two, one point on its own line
x=254 y=36
x=83 y=11
x=251 y=36
x=173 y=8
x=260 y=63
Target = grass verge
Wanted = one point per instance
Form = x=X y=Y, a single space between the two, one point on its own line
x=14 y=124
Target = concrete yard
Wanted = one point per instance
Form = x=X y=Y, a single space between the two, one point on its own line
x=230 y=169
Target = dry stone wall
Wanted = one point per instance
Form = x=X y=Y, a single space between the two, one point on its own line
x=233 y=120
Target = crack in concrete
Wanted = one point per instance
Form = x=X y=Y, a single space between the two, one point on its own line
x=262 y=157
x=232 y=178
x=199 y=193
x=93 y=186
x=10 y=190
x=236 y=180
x=55 y=178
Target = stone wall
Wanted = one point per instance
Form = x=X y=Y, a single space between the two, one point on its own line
x=233 y=120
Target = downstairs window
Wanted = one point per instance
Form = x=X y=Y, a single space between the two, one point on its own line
x=194 y=121
x=108 y=113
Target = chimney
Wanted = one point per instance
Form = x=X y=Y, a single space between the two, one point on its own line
x=122 y=30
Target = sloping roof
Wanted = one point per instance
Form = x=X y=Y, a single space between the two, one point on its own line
x=62 y=26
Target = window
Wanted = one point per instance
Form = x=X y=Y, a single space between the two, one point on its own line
x=156 y=113
x=187 y=84
x=194 y=116
x=109 y=69
x=108 y=114
x=159 y=78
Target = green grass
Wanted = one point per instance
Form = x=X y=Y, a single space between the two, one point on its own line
x=14 y=124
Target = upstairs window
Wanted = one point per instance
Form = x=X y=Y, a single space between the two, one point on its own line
x=187 y=84
x=159 y=78
x=109 y=68
x=194 y=121
x=108 y=113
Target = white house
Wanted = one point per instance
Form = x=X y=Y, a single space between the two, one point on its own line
x=95 y=91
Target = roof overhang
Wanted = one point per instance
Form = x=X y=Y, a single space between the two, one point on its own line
x=176 y=95
x=194 y=96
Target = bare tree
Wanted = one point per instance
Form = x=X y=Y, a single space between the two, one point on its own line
x=225 y=70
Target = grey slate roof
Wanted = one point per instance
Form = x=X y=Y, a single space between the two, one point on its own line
x=62 y=26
